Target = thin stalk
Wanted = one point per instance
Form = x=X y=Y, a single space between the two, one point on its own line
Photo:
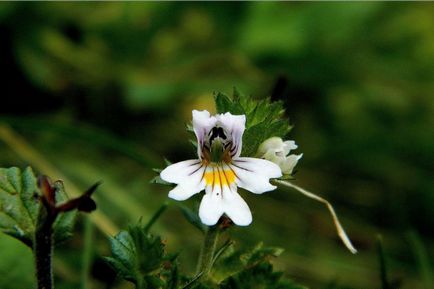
x=43 y=249
x=141 y=283
x=340 y=230
x=383 y=266
x=87 y=253
x=206 y=256
x=422 y=259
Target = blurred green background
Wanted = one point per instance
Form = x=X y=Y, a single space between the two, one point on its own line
x=102 y=91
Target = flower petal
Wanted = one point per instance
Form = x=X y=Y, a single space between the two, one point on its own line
x=177 y=172
x=210 y=209
x=254 y=174
x=288 y=146
x=188 y=175
x=236 y=208
x=234 y=126
x=221 y=198
x=203 y=122
x=288 y=164
x=271 y=146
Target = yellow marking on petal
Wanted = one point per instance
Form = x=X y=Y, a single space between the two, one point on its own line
x=223 y=178
x=209 y=178
x=230 y=176
x=218 y=175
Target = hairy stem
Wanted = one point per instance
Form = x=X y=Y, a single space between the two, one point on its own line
x=43 y=251
x=206 y=256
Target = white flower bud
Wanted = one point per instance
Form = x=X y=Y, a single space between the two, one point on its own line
x=277 y=151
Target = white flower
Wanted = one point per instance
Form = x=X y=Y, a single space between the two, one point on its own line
x=276 y=150
x=219 y=170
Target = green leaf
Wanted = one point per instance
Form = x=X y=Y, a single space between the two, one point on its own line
x=259 y=276
x=158 y=180
x=138 y=256
x=172 y=276
x=19 y=206
x=64 y=224
x=233 y=262
x=225 y=104
x=264 y=118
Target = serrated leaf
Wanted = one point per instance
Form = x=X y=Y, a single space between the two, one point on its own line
x=64 y=224
x=20 y=206
x=264 y=118
x=236 y=261
x=222 y=102
x=137 y=255
x=173 y=277
x=259 y=276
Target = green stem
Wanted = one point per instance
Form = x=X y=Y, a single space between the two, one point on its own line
x=382 y=261
x=141 y=283
x=43 y=250
x=206 y=256
x=87 y=252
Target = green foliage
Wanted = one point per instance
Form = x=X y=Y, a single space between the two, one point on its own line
x=20 y=206
x=356 y=77
x=264 y=119
x=64 y=225
x=140 y=258
x=19 y=203
x=234 y=261
x=158 y=180
x=260 y=276
x=251 y=269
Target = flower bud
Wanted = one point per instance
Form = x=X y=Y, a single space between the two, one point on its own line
x=277 y=151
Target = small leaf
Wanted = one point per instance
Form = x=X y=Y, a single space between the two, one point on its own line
x=19 y=203
x=160 y=181
x=236 y=261
x=223 y=103
x=264 y=118
x=64 y=224
x=137 y=255
x=172 y=277
x=259 y=276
